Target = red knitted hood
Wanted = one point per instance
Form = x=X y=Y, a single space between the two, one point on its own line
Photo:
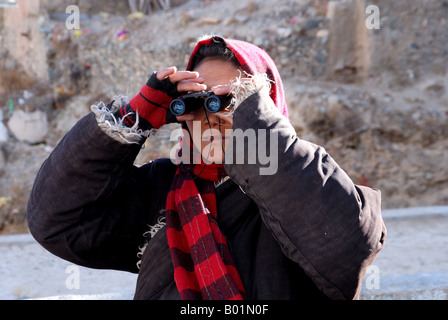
x=253 y=60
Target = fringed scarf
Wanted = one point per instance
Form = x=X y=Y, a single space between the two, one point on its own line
x=203 y=264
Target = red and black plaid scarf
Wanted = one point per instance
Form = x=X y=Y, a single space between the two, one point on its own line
x=203 y=264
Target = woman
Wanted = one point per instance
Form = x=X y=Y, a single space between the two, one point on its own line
x=216 y=231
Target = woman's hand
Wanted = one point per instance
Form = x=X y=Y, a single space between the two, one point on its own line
x=186 y=81
x=152 y=103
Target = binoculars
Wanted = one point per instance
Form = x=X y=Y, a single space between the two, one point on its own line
x=196 y=100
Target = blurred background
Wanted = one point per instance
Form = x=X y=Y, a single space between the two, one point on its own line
x=369 y=86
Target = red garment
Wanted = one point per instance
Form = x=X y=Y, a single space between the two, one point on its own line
x=203 y=264
x=159 y=101
x=254 y=61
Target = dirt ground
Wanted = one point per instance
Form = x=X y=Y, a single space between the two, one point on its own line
x=388 y=131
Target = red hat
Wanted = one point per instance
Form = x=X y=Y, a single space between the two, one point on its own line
x=253 y=61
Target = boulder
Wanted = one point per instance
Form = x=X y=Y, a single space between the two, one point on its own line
x=31 y=127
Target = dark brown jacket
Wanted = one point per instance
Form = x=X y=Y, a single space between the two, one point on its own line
x=306 y=232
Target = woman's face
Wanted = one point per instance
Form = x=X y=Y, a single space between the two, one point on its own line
x=213 y=138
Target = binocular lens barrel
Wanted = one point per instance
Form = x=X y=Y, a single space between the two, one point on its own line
x=213 y=104
x=179 y=106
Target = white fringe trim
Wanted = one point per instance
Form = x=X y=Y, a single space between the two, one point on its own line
x=114 y=127
x=244 y=87
x=150 y=234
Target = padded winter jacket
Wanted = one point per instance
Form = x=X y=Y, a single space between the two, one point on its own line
x=305 y=232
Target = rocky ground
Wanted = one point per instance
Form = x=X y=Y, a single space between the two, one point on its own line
x=388 y=131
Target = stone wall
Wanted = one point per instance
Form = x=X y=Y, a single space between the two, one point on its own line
x=22 y=44
x=349 y=42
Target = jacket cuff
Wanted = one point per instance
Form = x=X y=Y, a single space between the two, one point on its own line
x=115 y=126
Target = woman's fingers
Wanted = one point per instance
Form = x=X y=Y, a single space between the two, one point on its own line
x=191 y=85
x=165 y=73
x=222 y=89
x=186 y=80
x=183 y=75
x=176 y=76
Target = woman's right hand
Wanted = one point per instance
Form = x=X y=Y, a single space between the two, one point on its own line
x=184 y=81
x=153 y=102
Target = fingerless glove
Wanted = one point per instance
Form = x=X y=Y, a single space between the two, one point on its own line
x=152 y=105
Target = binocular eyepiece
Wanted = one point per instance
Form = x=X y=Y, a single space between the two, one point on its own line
x=194 y=101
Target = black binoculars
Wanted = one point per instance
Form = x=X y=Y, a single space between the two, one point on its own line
x=194 y=101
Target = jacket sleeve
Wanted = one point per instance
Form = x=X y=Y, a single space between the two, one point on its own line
x=332 y=228
x=89 y=204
